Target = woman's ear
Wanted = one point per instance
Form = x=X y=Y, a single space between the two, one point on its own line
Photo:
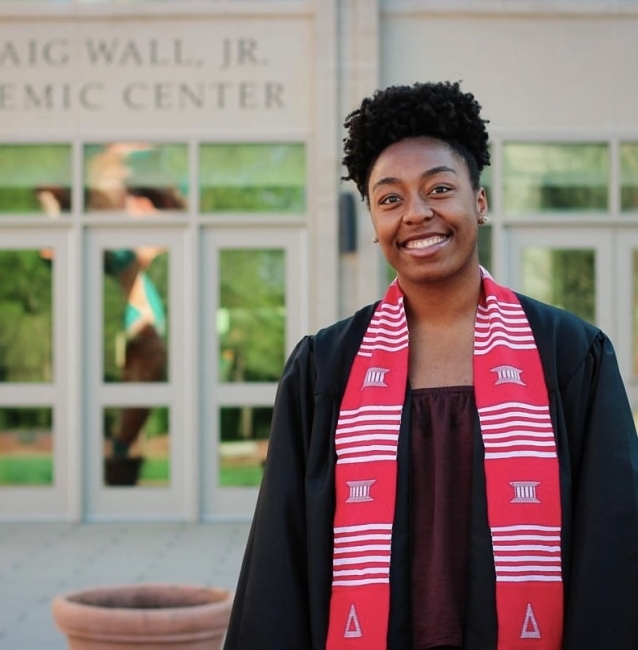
x=481 y=201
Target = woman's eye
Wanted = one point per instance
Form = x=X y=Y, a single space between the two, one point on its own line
x=392 y=198
x=440 y=189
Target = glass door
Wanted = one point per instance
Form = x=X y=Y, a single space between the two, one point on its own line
x=253 y=313
x=626 y=342
x=565 y=267
x=592 y=272
x=36 y=447
x=137 y=425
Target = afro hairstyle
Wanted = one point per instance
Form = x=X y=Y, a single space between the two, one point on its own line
x=436 y=110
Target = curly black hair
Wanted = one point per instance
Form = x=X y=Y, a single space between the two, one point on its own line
x=437 y=110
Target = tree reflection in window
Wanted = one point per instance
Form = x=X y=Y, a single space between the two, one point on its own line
x=251 y=315
x=565 y=278
x=629 y=177
x=35 y=178
x=26 y=446
x=26 y=315
x=555 y=177
x=252 y=178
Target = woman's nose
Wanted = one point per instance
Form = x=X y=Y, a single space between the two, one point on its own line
x=418 y=209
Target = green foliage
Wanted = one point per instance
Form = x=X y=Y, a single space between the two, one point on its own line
x=485 y=246
x=574 y=277
x=26 y=298
x=241 y=423
x=26 y=417
x=246 y=476
x=265 y=177
x=156 y=471
x=252 y=199
x=19 y=200
x=25 y=167
x=252 y=343
x=26 y=470
x=629 y=197
x=629 y=176
x=558 y=176
x=572 y=197
x=157 y=423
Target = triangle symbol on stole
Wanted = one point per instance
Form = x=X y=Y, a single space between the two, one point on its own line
x=353 y=628
x=530 y=625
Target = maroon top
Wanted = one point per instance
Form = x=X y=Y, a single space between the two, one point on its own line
x=441 y=477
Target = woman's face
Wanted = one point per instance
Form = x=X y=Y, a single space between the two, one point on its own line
x=425 y=212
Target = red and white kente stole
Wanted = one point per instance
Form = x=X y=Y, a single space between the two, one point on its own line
x=521 y=468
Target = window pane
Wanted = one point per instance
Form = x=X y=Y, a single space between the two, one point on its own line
x=135 y=314
x=35 y=178
x=543 y=177
x=251 y=319
x=26 y=446
x=135 y=177
x=244 y=444
x=563 y=278
x=252 y=178
x=635 y=314
x=26 y=315
x=137 y=446
x=629 y=177
x=485 y=246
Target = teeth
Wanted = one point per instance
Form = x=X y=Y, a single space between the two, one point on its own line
x=424 y=243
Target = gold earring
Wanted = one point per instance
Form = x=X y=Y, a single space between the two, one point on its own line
x=375 y=240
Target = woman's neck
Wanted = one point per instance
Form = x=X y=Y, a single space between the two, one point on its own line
x=442 y=304
x=441 y=329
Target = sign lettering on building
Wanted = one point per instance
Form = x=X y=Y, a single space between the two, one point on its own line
x=215 y=73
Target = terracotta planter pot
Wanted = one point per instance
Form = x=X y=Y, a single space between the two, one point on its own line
x=132 y=617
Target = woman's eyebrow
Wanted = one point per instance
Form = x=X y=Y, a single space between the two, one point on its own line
x=393 y=180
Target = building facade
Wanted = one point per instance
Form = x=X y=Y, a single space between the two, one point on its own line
x=172 y=220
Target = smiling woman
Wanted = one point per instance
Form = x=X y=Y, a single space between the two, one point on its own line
x=434 y=477
x=411 y=182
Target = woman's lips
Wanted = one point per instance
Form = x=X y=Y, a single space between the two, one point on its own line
x=426 y=242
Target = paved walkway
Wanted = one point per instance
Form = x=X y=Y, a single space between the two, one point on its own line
x=38 y=561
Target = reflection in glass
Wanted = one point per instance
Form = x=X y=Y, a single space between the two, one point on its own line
x=635 y=313
x=251 y=319
x=135 y=303
x=35 y=178
x=252 y=178
x=138 y=178
x=26 y=315
x=485 y=246
x=487 y=181
x=137 y=446
x=244 y=444
x=629 y=177
x=563 y=278
x=547 y=177
x=26 y=446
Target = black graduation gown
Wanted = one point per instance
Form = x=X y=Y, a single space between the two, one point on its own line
x=283 y=594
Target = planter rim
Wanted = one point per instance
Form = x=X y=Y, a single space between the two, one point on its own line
x=82 y=619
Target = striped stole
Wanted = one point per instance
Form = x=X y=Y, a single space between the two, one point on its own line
x=521 y=468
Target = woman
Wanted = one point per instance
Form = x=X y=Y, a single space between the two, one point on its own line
x=457 y=465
